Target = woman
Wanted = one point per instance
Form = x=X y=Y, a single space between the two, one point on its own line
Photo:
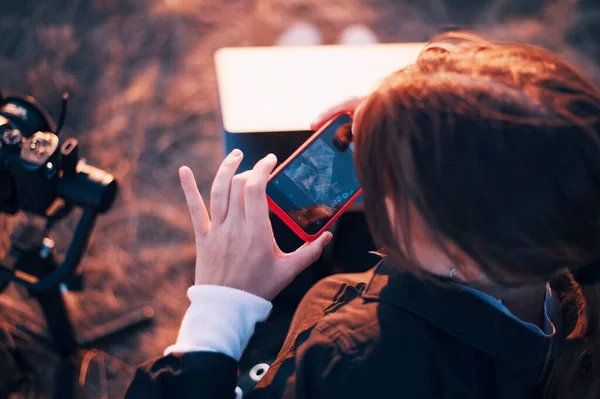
x=480 y=166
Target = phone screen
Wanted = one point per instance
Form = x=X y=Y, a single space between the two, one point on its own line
x=320 y=180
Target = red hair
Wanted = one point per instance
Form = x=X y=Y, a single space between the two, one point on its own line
x=497 y=148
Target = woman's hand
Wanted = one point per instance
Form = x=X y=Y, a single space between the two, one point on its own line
x=348 y=105
x=235 y=246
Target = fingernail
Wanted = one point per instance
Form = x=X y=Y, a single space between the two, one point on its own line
x=271 y=157
x=236 y=153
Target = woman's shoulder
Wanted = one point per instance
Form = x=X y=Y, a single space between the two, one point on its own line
x=340 y=308
x=342 y=345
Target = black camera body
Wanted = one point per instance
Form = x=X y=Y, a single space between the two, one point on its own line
x=37 y=167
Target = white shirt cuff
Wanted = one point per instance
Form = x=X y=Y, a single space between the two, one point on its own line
x=219 y=319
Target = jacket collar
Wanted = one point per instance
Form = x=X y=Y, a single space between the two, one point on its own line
x=460 y=314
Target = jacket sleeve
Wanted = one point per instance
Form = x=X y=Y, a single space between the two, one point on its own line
x=197 y=375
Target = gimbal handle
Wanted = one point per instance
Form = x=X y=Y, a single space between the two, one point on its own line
x=63 y=272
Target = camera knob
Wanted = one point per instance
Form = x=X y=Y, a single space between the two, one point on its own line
x=12 y=137
x=39 y=148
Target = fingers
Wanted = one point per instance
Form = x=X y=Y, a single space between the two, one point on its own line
x=307 y=254
x=219 y=195
x=235 y=209
x=256 y=208
x=348 y=105
x=200 y=218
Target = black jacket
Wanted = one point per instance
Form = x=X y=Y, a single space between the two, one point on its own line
x=377 y=334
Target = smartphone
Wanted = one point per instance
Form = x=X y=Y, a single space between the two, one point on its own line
x=314 y=186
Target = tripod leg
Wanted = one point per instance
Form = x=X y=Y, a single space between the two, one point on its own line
x=57 y=318
x=59 y=325
x=128 y=320
x=64 y=380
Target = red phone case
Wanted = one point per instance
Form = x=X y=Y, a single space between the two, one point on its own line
x=281 y=213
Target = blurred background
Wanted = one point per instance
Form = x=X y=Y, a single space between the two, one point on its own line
x=144 y=101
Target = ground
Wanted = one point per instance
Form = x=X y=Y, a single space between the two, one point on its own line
x=144 y=101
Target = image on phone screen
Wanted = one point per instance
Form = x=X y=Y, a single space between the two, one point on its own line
x=319 y=181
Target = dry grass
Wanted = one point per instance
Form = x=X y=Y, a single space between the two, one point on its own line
x=142 y=84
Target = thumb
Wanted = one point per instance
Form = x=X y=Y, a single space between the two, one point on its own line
x=307 y=254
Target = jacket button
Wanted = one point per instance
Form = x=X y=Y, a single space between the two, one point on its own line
x=257 y=372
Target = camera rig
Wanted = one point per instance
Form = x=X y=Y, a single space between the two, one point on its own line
x=43 y=176
x=40 y=175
